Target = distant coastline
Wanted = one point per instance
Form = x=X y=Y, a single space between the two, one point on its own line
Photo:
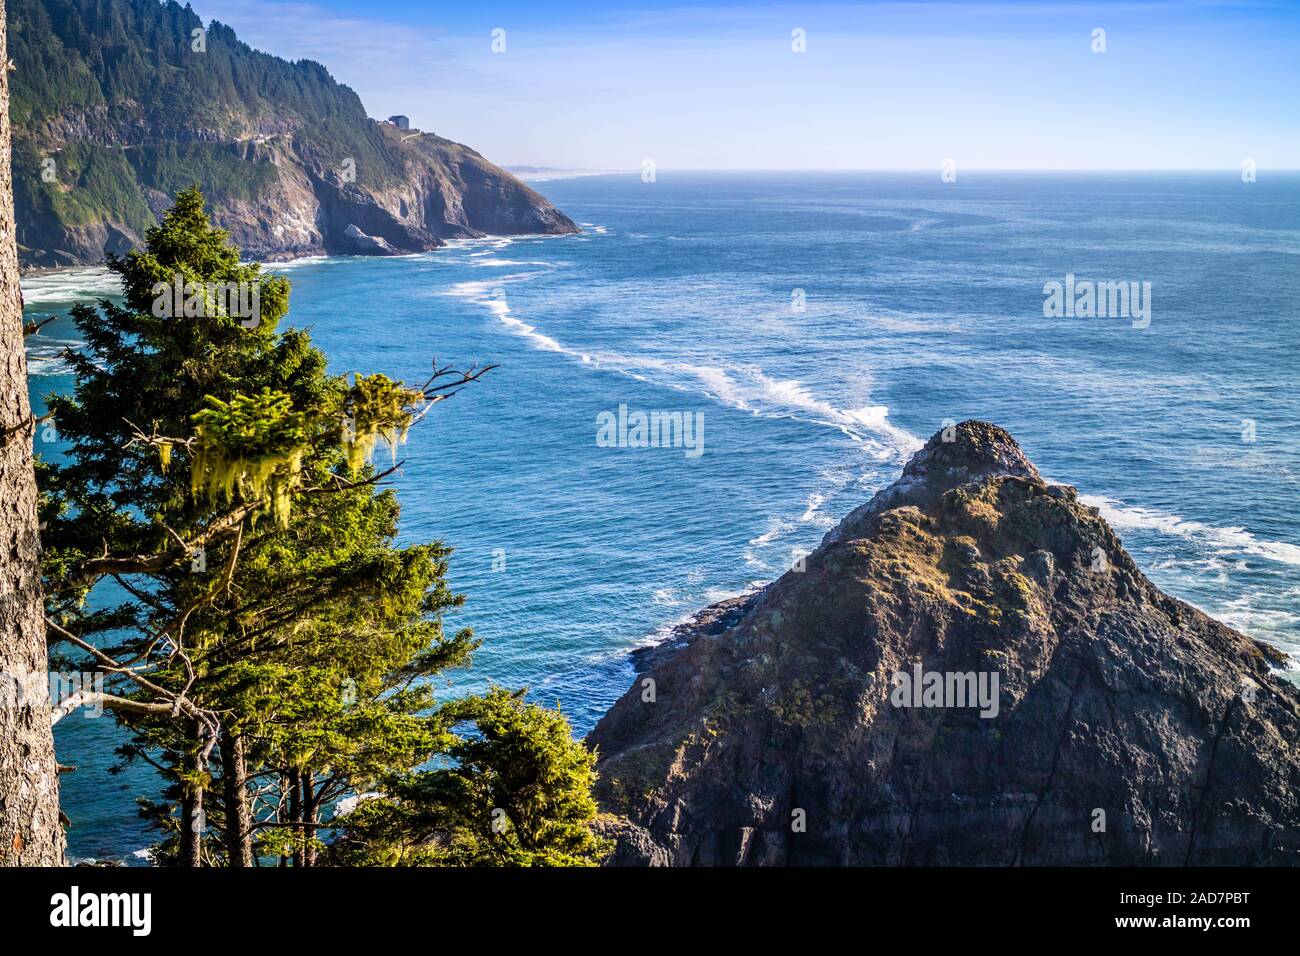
x=543 y=174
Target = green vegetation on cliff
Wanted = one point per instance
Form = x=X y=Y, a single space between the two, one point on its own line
x=114 y=63
x=119 y=104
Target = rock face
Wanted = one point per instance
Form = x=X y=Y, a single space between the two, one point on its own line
x=1126 y=727
x=364 y=245
x=119 y=104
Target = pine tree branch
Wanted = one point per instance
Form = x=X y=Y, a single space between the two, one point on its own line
x=92 y=569
x=342 y=484
x=435 y=391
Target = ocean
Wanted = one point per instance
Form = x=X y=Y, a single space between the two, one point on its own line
x=813 y=330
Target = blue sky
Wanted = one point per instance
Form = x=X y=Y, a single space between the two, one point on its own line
x=1004 y=85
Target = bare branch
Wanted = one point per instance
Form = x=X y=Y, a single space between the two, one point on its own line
x=109 y=701
x=90 y=570
x=33 y=327
x=341 y=484
x=175 y=702
x=456 y=379
x=138 y=437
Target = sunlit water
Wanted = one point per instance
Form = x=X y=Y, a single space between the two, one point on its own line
x=824 y=325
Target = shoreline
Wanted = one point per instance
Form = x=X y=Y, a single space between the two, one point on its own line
x=709 y=621
x=273 y=260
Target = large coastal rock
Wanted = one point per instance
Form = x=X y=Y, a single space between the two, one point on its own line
x=119 y=104
x=1127 y=728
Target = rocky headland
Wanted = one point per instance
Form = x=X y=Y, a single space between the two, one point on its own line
x=119 y=105
x=1076 y=714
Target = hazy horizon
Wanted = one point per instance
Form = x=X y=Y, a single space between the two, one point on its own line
x=892 y=86
x=881 y=169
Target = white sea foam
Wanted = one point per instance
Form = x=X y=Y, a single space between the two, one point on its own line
x=666 y=597
x=787 y=539
x=745 y=388
x=1275 y=626
x=350 y=803
x=70 y=285
x=490 y=295
x=43 y=366
x=660 y=634
x=289 y=265
x=693 y=601
x=813 y=515
x=776 y=527
x=1223 y=541
x=498 y=263
x=751 y=389
x=1242 y=614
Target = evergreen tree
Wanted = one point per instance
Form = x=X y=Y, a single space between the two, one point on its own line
x=516 y=791
x=280 y=644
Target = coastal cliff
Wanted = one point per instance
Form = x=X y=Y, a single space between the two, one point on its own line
x=118 y=105
x=970 y=670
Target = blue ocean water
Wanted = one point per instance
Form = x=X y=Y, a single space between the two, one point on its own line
x=824 y=325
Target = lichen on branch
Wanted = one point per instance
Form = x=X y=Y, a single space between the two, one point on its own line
x=251 y=447
x=377 y=407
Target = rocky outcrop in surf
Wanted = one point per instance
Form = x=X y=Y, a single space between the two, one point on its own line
x=970 y=670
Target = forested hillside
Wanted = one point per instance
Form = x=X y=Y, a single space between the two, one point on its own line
x=117 y=105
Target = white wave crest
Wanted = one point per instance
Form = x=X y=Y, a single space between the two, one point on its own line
x=70 y=285
x=745 y=388
x=1224 y=541
x=500 y=263
x=491 y=295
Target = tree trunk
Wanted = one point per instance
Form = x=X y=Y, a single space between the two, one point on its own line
x=309 y=808
x=284 y=812
x=192 y=816
x=239 y=817
x=192 y=827
x=295 y=816
x=30 y=832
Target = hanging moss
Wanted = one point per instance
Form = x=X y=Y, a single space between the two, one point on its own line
x=378 y=408
x=250 y=448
